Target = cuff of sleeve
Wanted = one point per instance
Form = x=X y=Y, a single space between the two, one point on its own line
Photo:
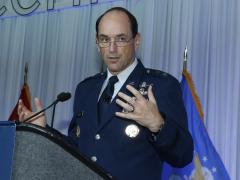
x=166 y=136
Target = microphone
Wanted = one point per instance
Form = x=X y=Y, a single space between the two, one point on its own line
x=63 y=96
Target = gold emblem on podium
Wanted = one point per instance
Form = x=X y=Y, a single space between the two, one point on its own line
x=78 y=131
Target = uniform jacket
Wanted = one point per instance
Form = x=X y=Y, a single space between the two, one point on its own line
x=107 y=144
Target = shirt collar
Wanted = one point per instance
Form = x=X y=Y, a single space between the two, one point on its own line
x=122 y=76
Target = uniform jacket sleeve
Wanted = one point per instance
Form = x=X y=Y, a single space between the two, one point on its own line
x=173 y=142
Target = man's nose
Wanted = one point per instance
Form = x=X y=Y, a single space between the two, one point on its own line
x=112 y=46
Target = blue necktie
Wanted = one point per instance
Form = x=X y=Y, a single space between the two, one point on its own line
x=105 y=99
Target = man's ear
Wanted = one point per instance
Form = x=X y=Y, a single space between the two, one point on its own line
x=98 y=48
x=137 y=41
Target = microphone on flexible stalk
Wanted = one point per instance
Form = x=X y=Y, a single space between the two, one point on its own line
x=63 y=96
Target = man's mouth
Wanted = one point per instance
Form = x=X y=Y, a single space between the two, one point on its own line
x=113 y=57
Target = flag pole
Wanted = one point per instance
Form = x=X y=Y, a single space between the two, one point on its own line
x=26 y=73
x=185 y=59
x=197 y=163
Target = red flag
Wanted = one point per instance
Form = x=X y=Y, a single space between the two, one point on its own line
x=26 y=98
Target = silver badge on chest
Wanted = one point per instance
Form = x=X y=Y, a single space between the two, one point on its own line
x=132 y=130
x=143 y=88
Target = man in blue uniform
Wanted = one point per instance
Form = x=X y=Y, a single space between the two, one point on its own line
x=129 y=119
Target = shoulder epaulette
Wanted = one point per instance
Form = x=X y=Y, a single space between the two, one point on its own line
x=93 y=77
x=157 y=73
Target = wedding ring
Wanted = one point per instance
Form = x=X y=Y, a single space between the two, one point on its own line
x=132 y=109
x=132 y=100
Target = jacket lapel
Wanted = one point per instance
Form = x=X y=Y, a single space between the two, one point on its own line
x=92 y=104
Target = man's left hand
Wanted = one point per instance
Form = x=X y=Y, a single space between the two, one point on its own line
x=137 y=108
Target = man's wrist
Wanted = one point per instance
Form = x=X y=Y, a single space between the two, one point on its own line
x=155 y=134
x=158 y=125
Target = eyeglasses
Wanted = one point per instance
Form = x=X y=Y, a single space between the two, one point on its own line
x=120 y=41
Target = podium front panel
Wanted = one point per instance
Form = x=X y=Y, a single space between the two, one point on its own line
x=38 y=157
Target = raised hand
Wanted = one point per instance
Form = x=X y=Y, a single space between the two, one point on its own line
x=24 y=113
x=137 y=108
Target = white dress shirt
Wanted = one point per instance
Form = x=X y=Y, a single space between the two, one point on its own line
x=122 y=77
